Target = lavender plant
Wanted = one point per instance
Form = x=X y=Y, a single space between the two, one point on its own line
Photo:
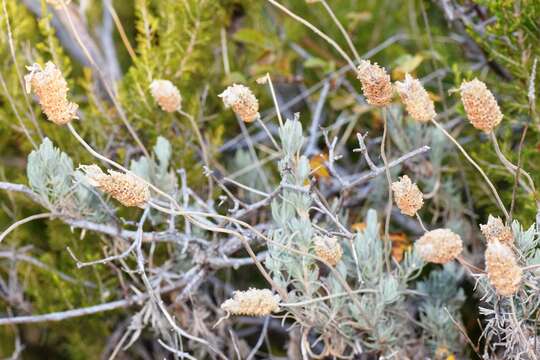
x=319 y=228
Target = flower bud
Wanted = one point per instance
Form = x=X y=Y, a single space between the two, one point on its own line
x=242 y=101
x=439 y=246
x=166 y=95
x=51 y=90
x=408 y=197
x=503 y=271
x=416 y=99
x=253 y=302
x=128 y=189
x=480 y=105
x=495 y=230
x=328 y=249
x=376 y=84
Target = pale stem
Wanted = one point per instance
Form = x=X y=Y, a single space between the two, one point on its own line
x=476 y=166
x=274 y=142
x=323 y=298
x=24 y=221
x=513 y=169
x=421 y=222
x=118 y=166
x=105 y=83
x=342 y=29
x=315 y=30
x=274 y=99
x=387 y=244
x=198 y=134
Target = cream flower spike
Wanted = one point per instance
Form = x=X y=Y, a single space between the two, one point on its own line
x=409 y=198
x=51 y=90
x=480 y=105
x=439 y=246
x=416 y=99
x=376 y=84
x=252 y=302
x=166 y=95
x=242 y=101
x=128 y=189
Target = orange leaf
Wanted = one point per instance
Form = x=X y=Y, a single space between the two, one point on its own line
x=358 y=226
x=318 y=167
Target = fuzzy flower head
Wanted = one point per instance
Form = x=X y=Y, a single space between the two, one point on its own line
x=51 y=90
x=252 y=302
x=376 y=84
x=166 y=95
x=129 y=190
x=439 y=246
x=495 y=230
x=328 y=249
x=242 y=101
x=408 y=196
x=480 y=105
x=416 y=99
x=503 y=271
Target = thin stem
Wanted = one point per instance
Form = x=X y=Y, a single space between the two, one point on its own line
x=323 y=298
x=476 y=166
x=342 y=29
x=421 y=222
x=274 y=142
x=105 y=83
x=513 y=169
x=198 y=134
x=24 y=221
x=315 y=30
x=121 y=30
x=274 y=99
x=387 y=244
x=118 y=166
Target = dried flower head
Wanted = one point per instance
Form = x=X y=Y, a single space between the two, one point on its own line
x=242 y=101
x=128 y=189
x=416 y=99
x=408 y=196
x=495 y=230
x=51 y=89
x=503 y=271
x=376 y=84
x=166 y=95
x=439 y=246
x=328 y=249
x=480 y=105
x=253 y=302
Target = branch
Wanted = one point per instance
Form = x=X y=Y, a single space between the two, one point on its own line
x=365 y=176
x=64 y=315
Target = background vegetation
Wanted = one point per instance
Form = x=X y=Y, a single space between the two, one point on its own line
x=202 y=46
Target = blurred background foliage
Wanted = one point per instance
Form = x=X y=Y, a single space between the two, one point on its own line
x=183 y=41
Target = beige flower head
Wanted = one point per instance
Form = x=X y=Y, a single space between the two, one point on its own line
x=408 y=196
x=503 y=271
x=166 y=95
x=439 y=246
x=376 y=84
x=242 y=101
x=128 y=189
x=416 y=99
x=328 y=249
x=253 y=302
x=495 y=230
x=480 y=105
x=51 y=90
